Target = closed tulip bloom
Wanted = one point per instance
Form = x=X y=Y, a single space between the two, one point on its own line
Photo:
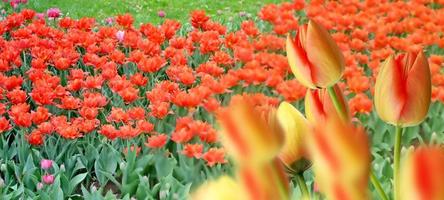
x=422 y=176
x=403 y=89
x=341 y=159
x=223 y=188
x=318 y=105
x=264 y=181
x=315 y=59
x=295 y=127
x=246 y=135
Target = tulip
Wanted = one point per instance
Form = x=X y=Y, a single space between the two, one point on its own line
x=403 y=90
x=246 y=135
x=314 y=58
x=422 y=175
x=319 y=105
x=295 y=127
x=223 y=188
x=48 y=179
x=264 y=181
x=45 y=164
x=341 y=159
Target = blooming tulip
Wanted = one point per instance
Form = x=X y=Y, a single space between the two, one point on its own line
x=319 y=105
x=295 y=127
x=422 y=175
x=403 y=89
x=314 y=57
x=341 y=159
x=246 y=135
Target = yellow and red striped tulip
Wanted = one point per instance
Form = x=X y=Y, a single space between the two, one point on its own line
x=295 y=127
x=341 y=159
x=223 y=188
x=403 y=89
x=319 y=106
x=314 y=57
x=264 y=181
x=246 y=135
x=422 y=176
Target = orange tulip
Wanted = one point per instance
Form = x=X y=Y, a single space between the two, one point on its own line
x=295 y=127
x=264 y=181
x=318 y=105
x=314 y=57
x=246 y=135
x=403 y=89
x=341 y=159
x=422 y=176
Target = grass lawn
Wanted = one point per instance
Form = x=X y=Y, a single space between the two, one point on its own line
x=146 y=10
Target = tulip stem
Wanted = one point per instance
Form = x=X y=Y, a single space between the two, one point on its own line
x=396 y=162
x=338 y=106
x=378 y=186
x=302 y=186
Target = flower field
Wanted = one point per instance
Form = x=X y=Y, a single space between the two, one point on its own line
x=303 y=100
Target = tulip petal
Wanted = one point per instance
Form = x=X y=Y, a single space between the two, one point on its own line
x=419 y=91
x=295 y=126
x=221 y=189
x=298 y=62
x=389 y=94
x=324 y=55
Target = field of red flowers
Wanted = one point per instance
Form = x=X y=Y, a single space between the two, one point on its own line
x=119 y=110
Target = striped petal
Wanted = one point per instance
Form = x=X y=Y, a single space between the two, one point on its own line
x=341 y=159
x=389 y=93
x=324 y=55
x=419 y=91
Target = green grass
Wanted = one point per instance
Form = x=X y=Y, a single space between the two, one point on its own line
x=146 y=10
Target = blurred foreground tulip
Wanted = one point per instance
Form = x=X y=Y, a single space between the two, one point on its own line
x=422 y=176
x=319 y=105
x=264 y=181
x=221 y=189
x=341 y=159
x=295 y=127
x=246 y=135
x=403 y=89
x=314 y=57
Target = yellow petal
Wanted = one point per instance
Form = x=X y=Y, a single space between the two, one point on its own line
x=388 y=98
x=295 y=127
x=221 y=189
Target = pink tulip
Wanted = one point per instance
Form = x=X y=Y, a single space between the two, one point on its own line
x=53 y=13
x=48 y=179
x=46 y=164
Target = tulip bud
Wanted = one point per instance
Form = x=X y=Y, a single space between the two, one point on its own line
x=220 y=189
x=403 y=89
x=315 y=59
x=48 y=179
x=319 y=105
x=422 y=175
x=264 y=181
x=246 y=135
x=341 y=159
x=295 y=127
